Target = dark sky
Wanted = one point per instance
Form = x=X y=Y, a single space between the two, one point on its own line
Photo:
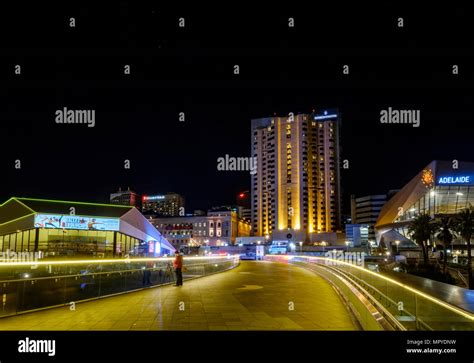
x=190 y=70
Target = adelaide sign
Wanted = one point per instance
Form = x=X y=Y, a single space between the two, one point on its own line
x=455 y=180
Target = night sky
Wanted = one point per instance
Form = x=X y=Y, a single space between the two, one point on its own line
x=190 y=70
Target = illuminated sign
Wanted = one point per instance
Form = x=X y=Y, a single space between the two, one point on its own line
x=76 y=222
x=325 y=117
x=157 y=248
x=456 y=180
x=151 y=247
x=154 y=197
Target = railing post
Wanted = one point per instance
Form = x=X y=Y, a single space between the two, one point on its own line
x=416 y=313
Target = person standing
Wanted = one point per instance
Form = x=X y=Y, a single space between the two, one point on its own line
x=147 y=273
x=178 y=268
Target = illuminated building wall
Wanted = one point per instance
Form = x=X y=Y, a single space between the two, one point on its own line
x=125 y=197
x=217 y=228
x=441 y=188
x=93 y=230
x=296 y=189
x=366 y=210
x=164 y=205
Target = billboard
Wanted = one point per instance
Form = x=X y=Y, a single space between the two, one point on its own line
x=154 y=197
x=76 y=222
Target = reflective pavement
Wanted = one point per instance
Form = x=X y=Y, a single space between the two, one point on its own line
x=257 y=295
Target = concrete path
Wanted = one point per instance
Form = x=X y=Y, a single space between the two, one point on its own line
x=257 y=295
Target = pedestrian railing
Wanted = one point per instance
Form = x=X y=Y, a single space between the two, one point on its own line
x=26 y=286
x=401 y=306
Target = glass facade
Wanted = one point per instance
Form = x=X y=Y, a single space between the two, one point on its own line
x=44 y=226
x=440 y=200
x=77 y=243
x=21 y=241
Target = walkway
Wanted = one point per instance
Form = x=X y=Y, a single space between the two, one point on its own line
x=257 y=295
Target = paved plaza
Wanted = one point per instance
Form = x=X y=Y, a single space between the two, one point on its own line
x=257 y=295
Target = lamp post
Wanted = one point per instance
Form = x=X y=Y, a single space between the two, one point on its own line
x=301 y=247
x=397 y=243
x=347 y=244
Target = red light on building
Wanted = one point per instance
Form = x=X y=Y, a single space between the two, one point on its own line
x=144 y=197
x=241 y=195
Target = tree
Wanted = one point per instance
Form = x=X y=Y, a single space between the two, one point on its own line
x=445 y=234
x=421 y=228
x=464 y=225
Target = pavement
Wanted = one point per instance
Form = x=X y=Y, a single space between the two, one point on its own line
x=257 y=295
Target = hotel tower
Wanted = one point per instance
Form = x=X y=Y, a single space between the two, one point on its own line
x=296 y=189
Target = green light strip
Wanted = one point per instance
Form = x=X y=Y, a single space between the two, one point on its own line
x=68 y=201
x=23 y=204
x=116 y=260
x=1 y=205
x=17 y=219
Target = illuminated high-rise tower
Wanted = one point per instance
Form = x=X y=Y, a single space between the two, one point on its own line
x=296 y=189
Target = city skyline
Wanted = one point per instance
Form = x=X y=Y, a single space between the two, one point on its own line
x=203 y=195
x=169 y=101
x=212 y=176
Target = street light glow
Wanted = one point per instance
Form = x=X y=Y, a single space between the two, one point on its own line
x=454 y=309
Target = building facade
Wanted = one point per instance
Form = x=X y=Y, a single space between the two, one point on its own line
x=164 y=205
x=243 y=202
x=126 y=197
x=357 y=235
x=296 y=190
x=94 y=230
x=217 y=228
x=365 y=210
x=442 y=188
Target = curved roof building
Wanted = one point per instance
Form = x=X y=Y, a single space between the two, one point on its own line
x=64 y=228
x=441 y=188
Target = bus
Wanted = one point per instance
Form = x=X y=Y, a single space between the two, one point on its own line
x=278 y=248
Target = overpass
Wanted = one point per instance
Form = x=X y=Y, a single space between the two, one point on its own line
x=221 y=293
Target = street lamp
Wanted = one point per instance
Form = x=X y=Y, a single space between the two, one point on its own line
x=347 y=244
x=397 y=243
x=301 y=247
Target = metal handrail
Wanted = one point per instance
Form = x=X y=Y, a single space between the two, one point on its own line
x=417 y=294
x=95 y=273
x=364 y=283
x=380 y=307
